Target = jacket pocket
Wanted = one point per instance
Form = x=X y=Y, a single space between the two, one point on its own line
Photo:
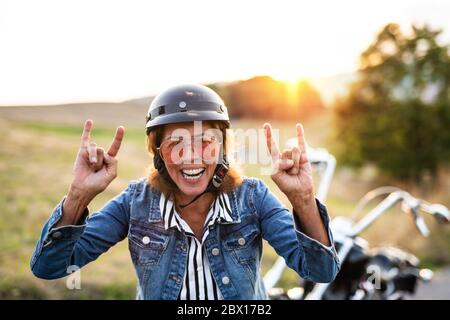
x=243 y=243
x=242 y=238
x=147 y=242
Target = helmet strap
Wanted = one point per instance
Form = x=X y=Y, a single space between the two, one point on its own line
x=216 y=181
x=159 y=165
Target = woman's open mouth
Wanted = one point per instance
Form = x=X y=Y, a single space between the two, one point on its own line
x=193 y=174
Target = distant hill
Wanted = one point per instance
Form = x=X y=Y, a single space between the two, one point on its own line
x=132 y=112
x=109 y=114
x=143 y=102
x=329 y=87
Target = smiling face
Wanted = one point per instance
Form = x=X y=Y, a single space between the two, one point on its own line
x=190 y=162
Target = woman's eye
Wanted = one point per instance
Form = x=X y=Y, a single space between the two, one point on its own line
x=177 y=142
x=208 y=139
x=173 y=142
x=176 y=139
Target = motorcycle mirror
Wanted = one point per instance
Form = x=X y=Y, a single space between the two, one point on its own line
x=440 y=212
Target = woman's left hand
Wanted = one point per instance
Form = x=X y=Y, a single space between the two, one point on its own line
x=293 y=175
x=291 y=168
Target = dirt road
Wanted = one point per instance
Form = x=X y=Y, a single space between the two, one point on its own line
x=437 y=289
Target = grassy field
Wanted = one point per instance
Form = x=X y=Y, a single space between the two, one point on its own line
x=36 y=159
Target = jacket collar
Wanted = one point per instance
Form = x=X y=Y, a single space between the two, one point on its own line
x=155 y=210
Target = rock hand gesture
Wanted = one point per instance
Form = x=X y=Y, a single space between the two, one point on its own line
x=291 y=172
x=93 y=171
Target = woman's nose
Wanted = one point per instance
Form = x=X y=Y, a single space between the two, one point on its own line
x=192 y=154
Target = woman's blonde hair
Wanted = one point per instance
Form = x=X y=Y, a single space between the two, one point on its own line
x=232 y=180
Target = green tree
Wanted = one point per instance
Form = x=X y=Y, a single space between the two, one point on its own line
x=397 y=114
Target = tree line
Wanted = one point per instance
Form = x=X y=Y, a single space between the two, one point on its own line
x=266 y=98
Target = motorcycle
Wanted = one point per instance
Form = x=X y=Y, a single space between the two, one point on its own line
x=384 y=273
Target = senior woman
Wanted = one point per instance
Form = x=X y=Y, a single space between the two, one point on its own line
x=194 y=225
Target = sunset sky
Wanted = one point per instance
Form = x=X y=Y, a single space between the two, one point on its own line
x=68 y=51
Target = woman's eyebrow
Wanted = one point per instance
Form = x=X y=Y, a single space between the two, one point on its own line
x=176 y=136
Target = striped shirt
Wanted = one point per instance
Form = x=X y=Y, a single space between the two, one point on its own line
x=198 y=282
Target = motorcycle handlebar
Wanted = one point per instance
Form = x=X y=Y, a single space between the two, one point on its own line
x=414 y=205
x=439 y=211
x=409 y=204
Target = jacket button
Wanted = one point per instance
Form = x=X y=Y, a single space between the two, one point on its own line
x=215 y=251
x=225 y=280
x=56 y=235
x=241 y=241
x=145 y=240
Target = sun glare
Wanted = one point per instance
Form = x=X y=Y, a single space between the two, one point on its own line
x=134 y=51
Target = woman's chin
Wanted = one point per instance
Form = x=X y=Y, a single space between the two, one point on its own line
x=192 y=187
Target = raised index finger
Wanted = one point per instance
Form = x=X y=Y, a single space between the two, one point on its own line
x=86 y=136
x=115 y=145
x=271 y=143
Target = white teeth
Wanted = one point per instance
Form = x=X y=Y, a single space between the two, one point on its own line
x=193 y=171
x=192 y=174
x=192 y=177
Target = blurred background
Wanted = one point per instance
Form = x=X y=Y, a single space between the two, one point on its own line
x=370 y=81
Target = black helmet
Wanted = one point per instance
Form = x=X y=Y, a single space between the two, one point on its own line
x=186 y=103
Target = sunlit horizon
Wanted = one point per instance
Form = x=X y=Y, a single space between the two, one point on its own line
x=57 y=52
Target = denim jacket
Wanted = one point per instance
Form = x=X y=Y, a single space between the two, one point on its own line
x=161 y=262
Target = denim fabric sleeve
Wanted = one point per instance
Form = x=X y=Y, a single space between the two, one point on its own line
x=76 y=245
x=308 y=257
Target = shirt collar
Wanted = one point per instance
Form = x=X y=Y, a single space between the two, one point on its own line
x=219 y=212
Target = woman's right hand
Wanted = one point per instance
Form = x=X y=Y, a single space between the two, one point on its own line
x=94 y=169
